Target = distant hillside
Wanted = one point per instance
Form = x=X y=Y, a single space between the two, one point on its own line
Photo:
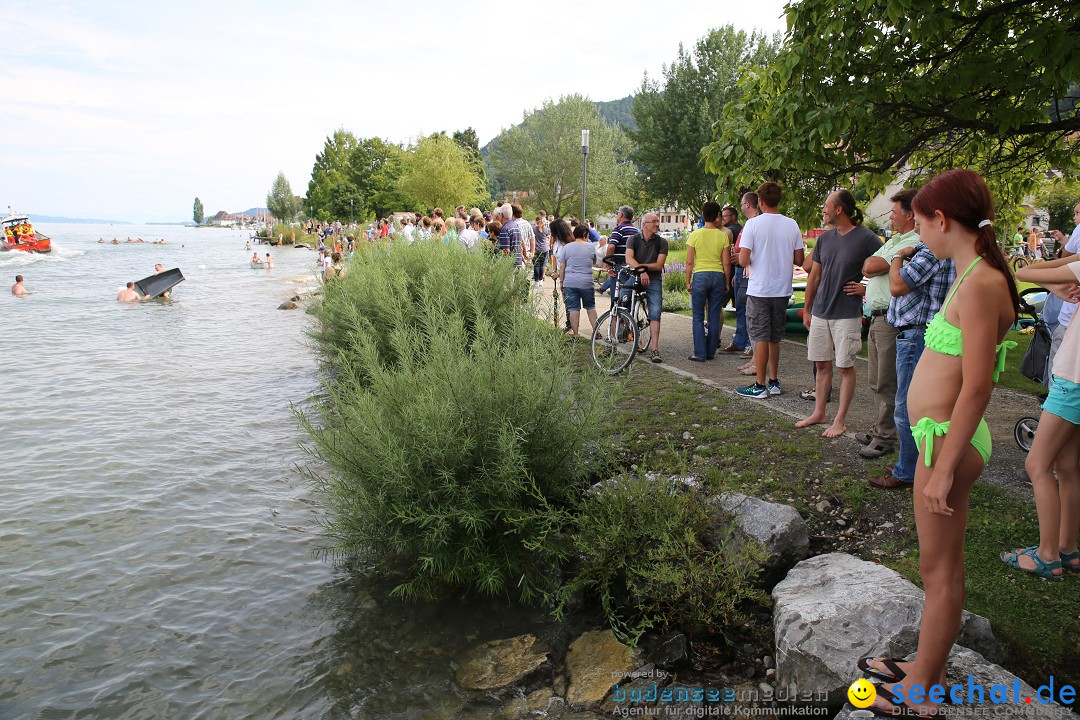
x=619 y=112
x=615 y=112
x=85 y=221
x=254 y=212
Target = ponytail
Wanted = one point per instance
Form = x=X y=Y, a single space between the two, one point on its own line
x=986 y=245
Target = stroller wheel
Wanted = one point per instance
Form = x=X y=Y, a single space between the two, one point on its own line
x=1024 y=432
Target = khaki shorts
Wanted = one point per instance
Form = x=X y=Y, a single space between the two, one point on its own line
x=837 y=341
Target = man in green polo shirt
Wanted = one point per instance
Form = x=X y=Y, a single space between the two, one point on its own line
x=881 y=345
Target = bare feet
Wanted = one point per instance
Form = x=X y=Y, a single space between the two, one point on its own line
x=812 y=420
x=834 y=430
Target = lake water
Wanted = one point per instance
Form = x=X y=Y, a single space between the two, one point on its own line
x=156 y=538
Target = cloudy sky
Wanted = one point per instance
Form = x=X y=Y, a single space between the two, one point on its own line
x=128 y=110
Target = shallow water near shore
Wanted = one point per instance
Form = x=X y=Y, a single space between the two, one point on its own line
x=156 y=544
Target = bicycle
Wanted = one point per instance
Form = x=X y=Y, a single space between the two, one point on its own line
x=623 y=331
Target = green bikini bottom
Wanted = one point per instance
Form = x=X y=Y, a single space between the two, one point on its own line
x=928 y=428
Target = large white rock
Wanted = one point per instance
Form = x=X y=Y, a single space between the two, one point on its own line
x=778 y=529
x=833 y=609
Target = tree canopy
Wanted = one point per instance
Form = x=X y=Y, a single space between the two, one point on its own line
x=331 y=193
x=198 y=215
x=438 y=172
x=867 y=88
x=543 y=156
x=280 y=201
x=675 y=116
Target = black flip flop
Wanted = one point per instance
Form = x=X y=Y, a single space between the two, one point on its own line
x=890 y=664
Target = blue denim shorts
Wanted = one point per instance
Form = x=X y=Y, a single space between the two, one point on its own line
x=1064 y=400
x=576 y=298
x=655 y=293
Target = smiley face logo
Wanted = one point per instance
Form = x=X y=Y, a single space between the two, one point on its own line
x=862 y=693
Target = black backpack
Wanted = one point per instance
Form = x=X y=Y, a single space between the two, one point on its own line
x=1033 y=365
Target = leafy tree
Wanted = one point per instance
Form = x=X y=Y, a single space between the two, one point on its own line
x=280 y=201
x=1059 y=197
x=675 y=118
x=881 y=86
x=543 y=156
x=374 y=168
x=332 y=194
x=437 y=172
x=198 y=215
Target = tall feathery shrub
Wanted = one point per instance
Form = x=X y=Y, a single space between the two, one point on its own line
x=454 y=431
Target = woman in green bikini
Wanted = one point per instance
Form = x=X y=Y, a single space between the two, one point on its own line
x=948 y=396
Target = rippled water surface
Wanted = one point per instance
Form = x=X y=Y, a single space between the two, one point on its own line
x=155 y=537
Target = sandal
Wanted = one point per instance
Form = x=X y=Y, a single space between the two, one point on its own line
x=655 y=356
x=1067 y=560
x=1042 y=569
x=889 y=662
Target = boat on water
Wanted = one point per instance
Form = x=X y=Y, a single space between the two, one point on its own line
x=19 y=234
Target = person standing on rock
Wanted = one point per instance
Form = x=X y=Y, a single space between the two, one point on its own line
x=770 y=244
x=918 y=282
x=881 y=341
x=949 y=395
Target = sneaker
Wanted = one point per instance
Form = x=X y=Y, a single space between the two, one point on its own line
x=748 y=353
x=864 y=438
x=753 y=391
x=774 y=387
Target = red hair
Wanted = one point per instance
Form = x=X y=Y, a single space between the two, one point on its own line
x=963 y=197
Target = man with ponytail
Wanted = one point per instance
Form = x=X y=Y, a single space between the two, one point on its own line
x=833 y=309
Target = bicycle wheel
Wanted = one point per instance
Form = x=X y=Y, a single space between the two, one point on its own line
x=644 y=330
x=613 y=342
x=1024 y=432
x=1018 y=262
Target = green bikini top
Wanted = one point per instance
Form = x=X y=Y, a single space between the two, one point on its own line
x=945 y=338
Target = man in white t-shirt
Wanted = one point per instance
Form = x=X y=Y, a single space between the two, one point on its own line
x=470 y=236
x=1068 y=309
x=769 y=245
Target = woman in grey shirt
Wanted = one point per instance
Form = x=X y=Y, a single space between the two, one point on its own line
x=575 y=262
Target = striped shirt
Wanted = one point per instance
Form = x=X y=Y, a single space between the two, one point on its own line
x=510 y=241
x=620 y=236
x=929 y=280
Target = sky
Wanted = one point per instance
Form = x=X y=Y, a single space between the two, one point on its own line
x=129 y=110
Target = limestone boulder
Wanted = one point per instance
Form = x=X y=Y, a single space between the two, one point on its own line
x=500 y=663
x=833 y=609
x=778 y=529
x=595 y=662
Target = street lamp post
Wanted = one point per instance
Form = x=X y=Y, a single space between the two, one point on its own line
x=584 y=168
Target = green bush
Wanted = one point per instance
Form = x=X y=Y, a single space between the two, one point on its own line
x=455 y=435
x=645 y=553
x=678 y=243
x=676 y=301
x=674 y=281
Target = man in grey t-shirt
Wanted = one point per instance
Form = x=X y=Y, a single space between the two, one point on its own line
x=833 y=309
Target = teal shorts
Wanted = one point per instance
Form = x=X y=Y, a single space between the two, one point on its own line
x=1064 y=400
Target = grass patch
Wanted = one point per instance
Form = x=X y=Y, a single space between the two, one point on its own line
x=671 y=425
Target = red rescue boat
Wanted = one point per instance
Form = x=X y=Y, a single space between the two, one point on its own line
x=19 y=234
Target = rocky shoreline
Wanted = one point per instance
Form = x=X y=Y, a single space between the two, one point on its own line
x=829 y=610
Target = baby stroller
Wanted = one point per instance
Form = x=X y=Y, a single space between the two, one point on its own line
x=1034 y=364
